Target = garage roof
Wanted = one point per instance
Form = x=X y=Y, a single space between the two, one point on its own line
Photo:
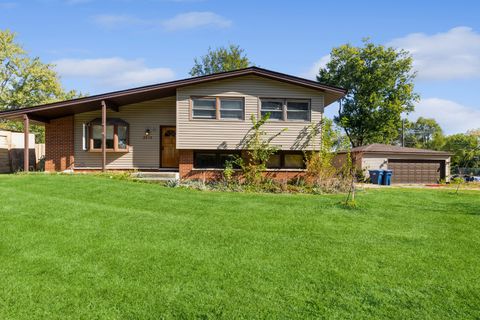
x=385 y=148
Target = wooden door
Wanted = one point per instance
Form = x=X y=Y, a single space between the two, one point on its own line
x=168 y=148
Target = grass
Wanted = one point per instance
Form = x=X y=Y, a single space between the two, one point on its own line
x=95 y=248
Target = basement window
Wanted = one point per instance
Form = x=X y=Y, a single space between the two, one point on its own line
x=287 y=160
x=212 y=159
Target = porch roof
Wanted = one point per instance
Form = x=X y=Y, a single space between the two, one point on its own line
x=47 y=112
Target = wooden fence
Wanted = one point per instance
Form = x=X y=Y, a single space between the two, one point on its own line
x=11 y=160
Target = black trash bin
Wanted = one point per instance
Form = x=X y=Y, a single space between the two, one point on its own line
x=376 y=176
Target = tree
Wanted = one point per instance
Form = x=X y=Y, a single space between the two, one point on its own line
x=465 y=149
x=424 y=133
x=219 y=60
x=319 y=161
x=380 y=88
x=26 y=82
x=474 y=132
x=259 y=150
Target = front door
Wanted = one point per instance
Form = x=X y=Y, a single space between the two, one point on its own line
x=168 y=148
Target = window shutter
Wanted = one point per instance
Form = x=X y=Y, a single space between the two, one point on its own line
x=84 y=137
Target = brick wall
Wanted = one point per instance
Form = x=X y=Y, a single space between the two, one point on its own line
x=186 y=170
x=185 y=162
x=59 y=144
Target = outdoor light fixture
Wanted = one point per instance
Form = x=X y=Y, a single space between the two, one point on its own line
x=147 y=132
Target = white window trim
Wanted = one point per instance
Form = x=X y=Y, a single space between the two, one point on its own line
x=84 y=136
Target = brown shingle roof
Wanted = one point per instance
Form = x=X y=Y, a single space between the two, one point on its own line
x=385 y=148
x=118 y=98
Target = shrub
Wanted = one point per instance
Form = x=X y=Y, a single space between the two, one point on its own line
x=118 y=175
x=259 y=151
x=228 y=172
x=172 y=183
x=321 y=173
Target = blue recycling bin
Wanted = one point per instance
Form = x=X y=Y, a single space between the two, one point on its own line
x=387 y=177
x=376 y=176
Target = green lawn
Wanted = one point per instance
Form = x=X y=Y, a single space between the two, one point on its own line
x=90 y=247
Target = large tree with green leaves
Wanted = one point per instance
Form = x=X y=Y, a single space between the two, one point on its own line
x=219 y=60
x=423 y=133
x=380 y=88
x=26 y=82
x=465 y=149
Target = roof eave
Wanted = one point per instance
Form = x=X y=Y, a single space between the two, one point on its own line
x=439 y=153
x=173 y=85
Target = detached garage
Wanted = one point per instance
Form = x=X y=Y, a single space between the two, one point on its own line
x=409 y=165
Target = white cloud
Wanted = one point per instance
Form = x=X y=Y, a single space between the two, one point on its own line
x=450 y=55
x=313 y=71
x=191 y=20
x=452 y=116
x=112 y=73
x=8 y=5
x=111 y=21
x=454 y=54
x=183 y=21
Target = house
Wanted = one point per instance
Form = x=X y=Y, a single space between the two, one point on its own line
x=189 y=126
x=409 y=165
x=11 y=151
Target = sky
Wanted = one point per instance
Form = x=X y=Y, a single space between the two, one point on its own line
x=104 y=45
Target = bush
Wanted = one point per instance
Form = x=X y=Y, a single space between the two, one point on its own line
x=259 y=151
x=457 y=180
x=266 y=186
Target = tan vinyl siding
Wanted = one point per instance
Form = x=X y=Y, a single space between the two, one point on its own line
x=143 y=153
x=225 y=134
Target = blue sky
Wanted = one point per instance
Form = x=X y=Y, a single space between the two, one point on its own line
x=105 y=45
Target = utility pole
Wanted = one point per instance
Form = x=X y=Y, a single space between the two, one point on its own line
x=403 y=132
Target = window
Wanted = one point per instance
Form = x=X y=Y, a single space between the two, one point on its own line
x=298 y=110
x=204 y=108
x=206 y=160
x=116 y=135
x=286 y=109
x=274 y=108
x=213 y=159
x=231 y=109
x=96 y=137
x=275 y=161
x=122 y=137
x=218 y=108
x=293 y=161
x=287 y=160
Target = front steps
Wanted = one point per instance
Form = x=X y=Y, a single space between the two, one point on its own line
x=157 y=176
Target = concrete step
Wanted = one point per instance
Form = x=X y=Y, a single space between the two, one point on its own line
x=156 y=176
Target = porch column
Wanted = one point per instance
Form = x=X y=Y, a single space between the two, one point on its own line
x=104 y=135
x=26 y=147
